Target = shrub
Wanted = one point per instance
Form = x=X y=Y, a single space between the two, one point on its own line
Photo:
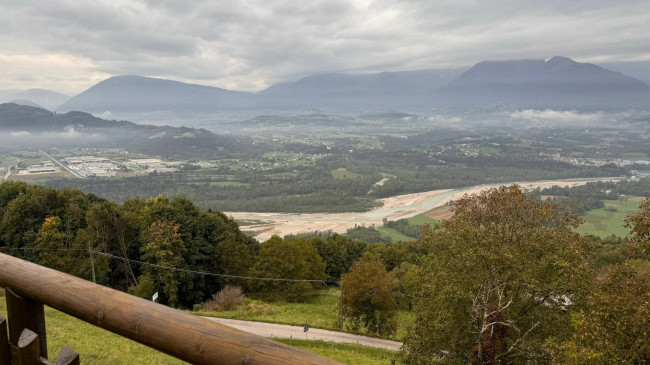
x=228 y=298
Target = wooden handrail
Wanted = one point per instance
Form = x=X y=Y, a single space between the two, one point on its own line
x=182 y=335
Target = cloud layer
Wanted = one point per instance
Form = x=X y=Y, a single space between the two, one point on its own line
x=69 y=45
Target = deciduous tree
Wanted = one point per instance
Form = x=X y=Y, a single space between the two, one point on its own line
x=639 y=224
x=497 y=281
x=367 y=297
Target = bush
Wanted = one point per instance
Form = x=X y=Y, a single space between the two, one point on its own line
x=229 y=298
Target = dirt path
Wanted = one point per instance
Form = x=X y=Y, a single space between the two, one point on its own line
x=286 y=331
x=393 y=208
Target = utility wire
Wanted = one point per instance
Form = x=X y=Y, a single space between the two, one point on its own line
x=211 y=273
x=171 y=268
x=40 y=249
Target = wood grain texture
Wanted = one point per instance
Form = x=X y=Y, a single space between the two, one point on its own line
x=187 y=337
x=67 y=357
x=4 y=342
x=25 y=313
x=28 y=349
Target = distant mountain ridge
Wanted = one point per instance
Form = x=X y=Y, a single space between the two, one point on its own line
x=385 y=88
x=139 y=93
x=558 y=82
x=46 y=99
x=21 y=125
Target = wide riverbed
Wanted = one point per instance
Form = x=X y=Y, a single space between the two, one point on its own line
x=396 y=207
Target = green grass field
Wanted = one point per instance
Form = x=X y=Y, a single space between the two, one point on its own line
x=320 y=312
x=342 y=174
x=97 y=346
x=603 y=222
x=421 y=219
x=395 y=235
x=635 y=155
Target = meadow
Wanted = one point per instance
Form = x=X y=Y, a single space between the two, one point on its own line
x=320 y=311
x=609 y=220
x=98 y=346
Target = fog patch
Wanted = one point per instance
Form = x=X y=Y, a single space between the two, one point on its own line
x=69 y=135
x=557 y=117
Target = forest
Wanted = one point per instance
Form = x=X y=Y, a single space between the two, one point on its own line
x=508 y=269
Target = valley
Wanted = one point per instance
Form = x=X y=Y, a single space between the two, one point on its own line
x=265 y=225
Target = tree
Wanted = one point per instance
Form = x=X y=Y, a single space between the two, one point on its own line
x=338 y=253
x=233 y=258
x=287 y=259
x=50 y=246
x=614 y=328
x=639 y=223
x=498 y=279
x=367 y=297
x=165 y=247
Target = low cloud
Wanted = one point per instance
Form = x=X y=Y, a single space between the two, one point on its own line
x=557 y=117
x=49 y=138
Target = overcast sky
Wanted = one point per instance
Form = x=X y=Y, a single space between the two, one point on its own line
x=69 y=45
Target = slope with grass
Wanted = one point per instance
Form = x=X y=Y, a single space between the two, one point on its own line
x=98 y=346
x=320 y=311
x=608 y=220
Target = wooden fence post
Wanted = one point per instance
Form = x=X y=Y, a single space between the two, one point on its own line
x=4 y=342
x=27 y=351
x=23 y=314
x=67 y=357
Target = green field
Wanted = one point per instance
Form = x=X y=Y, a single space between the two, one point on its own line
x=395 y=235
x=97 y=346
x=345 y=353
x=341 y=174
x=604 y=222
x=421 y=219
x=635 y=155
x=320 y=312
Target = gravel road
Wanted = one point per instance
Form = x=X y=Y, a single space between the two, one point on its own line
x=285 y=331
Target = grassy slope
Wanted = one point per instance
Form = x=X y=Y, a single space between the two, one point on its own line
x=395 y=235
x=603 y=223
x=97 y=346
x=421 y=219
x=319 y=312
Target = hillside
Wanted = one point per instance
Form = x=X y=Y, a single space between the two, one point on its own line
x=386 y=89
x=141 y=94
x=47 y=99
x=558 y=82
x=28 y=126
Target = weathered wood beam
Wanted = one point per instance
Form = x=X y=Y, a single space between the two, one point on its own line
x=4 y=342
x=182 y=335
x=25 y=313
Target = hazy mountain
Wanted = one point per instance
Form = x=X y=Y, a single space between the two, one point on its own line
x=44 y=98
x=132 y=94
x=26 y=102
x=22 y=125
x=558 y=82
x=16 y=118
x=380 y=90
x=638 y=69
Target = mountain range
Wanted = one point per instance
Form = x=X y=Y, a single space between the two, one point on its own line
x=46 y=99
x=555 y=83
x=22 y=125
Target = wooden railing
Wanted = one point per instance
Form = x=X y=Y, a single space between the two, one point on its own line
x=182 y=335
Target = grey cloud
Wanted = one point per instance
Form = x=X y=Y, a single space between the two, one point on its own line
x=251 y=43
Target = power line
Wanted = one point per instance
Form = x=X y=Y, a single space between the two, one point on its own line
x=171 y=268
x=40 y=249
x=211 y=273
